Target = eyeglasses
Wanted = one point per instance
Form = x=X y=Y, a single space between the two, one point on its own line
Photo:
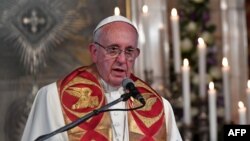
x=114 y=51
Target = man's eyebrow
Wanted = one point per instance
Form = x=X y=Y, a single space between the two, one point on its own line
x=130 y=47
x=114 y=44
x=117 y=45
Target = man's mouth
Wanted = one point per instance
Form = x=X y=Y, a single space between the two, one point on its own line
x=119 y=70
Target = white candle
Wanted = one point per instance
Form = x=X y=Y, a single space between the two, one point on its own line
x=248 y=100
x=225 y=72
x=147 y=50
x=212 y=112
x=186 y=92
x=202 y=67
x=116 y=11
x=176 y=40
x=242 y=113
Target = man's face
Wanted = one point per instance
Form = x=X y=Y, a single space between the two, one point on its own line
x=116 y=35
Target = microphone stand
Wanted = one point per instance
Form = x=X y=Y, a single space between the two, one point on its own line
x=73 y=124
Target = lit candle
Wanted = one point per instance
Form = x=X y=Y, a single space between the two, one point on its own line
x=147 y=50
x=248 y=99
x=176 y=40
x=212 y=112
x=225 y=72
x=242 y=113
x=186 y=92
x=202 y=67
x=117 y=11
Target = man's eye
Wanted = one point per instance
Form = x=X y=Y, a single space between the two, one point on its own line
x=113 y=48
x=130 y=50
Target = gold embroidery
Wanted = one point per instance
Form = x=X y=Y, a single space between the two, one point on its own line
x=80 y=80
x=85 y=98
x=150 y=101
x=149 y=121
x=103 y=126
x=133 y=127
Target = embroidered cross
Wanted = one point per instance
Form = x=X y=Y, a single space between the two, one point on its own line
x=33 y=21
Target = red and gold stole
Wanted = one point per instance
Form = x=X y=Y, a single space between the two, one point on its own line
x=80 y=93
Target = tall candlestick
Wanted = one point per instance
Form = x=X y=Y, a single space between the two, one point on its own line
x=202 y=67
x=242 y=113
x=225 y=72
x=186 y=92
x=147 y=50
x=212 y=112
x=176 y=40
x=165 y=55
x=248 y=100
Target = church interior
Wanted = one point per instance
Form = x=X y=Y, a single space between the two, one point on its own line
x=194 y=53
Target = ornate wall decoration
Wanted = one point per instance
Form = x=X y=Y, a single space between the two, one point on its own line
x=35 y=26
x=16 y=120
x=40 y=42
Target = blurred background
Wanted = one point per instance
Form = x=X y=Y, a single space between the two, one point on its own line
x=193 y=52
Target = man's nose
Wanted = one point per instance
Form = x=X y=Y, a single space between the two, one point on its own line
x=121 y=57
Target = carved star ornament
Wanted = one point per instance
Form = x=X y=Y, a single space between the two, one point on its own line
x=33 y=27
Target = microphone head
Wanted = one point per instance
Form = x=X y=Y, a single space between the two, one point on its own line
x=129 y=84
x=125 y=82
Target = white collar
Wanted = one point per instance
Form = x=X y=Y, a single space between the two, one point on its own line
x=108 y=88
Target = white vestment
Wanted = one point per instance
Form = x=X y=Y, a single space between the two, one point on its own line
x=46 y=116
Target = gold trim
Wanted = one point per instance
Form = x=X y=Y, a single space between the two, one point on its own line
x=80 y=80
x=149 y=100
x=149 y=121
x=85 y=100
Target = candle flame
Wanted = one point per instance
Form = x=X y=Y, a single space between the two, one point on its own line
x=223 y=5
x=145 y=9
x=117 y=11
x=224 y=62
x=248 y=84
x=241 y=104
x=201 y=42
x=185 y=62
x=174 y=12
x=211 y=85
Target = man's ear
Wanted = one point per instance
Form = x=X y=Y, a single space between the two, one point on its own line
x=93 y=52
x=139 y=51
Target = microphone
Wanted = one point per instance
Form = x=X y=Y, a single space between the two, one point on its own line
x=129 y=85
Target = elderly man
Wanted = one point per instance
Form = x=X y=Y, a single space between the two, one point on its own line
x=87 y=88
